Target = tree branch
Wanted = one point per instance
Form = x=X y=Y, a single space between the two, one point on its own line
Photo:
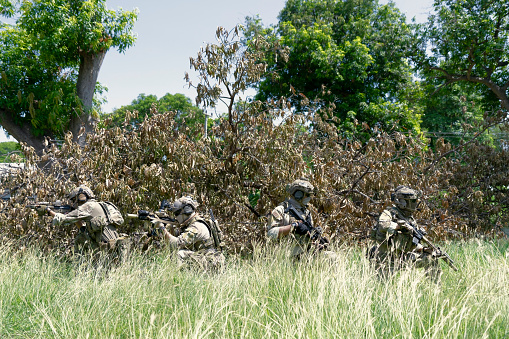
x=476 y=135
x=22 y=133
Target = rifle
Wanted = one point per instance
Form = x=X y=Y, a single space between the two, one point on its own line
x=419 y=235
x=159 y=216
x=153 y=218
x=315 y=233
x=56 y=206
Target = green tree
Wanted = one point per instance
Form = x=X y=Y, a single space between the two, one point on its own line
x=467 y=41
x=50 y=60
x=351 y=53
x=186 y=113
x=454 y=113
x=7 y=148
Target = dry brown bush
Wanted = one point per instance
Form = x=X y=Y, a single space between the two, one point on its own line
x=137 y=168
x=251 y=154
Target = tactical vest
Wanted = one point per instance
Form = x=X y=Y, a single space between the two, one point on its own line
x=104 y=228
x=215 y=239
x=403 y=240
x=306 y=213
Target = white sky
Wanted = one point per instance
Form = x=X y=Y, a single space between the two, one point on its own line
x=170 y=32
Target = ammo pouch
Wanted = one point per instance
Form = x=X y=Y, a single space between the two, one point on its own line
x=109 y=238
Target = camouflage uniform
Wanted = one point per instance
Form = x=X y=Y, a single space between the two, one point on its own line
x=395 y=248
x=195 y=243
x=280 y=218
x=95 y=232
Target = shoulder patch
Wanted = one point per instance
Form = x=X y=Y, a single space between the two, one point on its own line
x=278 y=215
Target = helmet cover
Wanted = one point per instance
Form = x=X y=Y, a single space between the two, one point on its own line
x=405 y=198
x=186 y=205
x=82 y=190
x=302 y=185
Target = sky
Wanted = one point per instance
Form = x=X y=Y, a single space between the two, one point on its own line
x=170 y=32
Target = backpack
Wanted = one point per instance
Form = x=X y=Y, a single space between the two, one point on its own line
x=113 y=215
x=214 y=229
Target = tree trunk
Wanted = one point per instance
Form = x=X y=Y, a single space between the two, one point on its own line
x=87 y=78
x=22 y=133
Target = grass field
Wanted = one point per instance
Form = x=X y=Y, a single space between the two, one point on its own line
x=266 y=296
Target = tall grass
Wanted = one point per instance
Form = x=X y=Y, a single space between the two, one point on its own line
x=265 y=296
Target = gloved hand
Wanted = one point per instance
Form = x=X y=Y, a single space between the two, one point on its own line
x=300 y=228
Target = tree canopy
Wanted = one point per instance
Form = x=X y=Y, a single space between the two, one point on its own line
x=147 y=105
x=50 y=59
x=467 y=41
x=350 y=53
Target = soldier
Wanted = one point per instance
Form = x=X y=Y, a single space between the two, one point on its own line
x=197 y=240
x=396 y=246
x=293 y=220
x=97 y=223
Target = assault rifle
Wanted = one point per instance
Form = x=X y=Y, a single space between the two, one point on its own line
x=315 y=233
x=57 y=206
x=420 y=235
x=152 y=217
x=159 y=216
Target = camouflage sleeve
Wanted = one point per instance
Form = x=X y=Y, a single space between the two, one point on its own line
x=385 y=223
x=277 y=219
x=196 y=232
x=81 y=213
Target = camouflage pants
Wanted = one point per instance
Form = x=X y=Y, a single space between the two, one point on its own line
x=387 y=263
x=207 y=259
x=96 y=245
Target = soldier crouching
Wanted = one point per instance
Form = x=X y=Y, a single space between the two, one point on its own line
x=196 y=244
x=396 y=247
x=97 y=224
x=292 y=220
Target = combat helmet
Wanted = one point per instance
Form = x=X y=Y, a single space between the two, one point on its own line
x=405 y=198
x=81 y=194
x=185 y=205
x=300 y=187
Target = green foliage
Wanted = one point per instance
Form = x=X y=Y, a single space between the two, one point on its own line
x=34 y=90
x=41 y=54
x=454 y=113
x=6 y=8
x=349 y=53
x=6 y=148
x=61 y=30
x=467 y=41
x=147 y=105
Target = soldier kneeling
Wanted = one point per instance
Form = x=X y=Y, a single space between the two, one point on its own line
x=97 y=223
x=197 y=240
x=394 y=234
